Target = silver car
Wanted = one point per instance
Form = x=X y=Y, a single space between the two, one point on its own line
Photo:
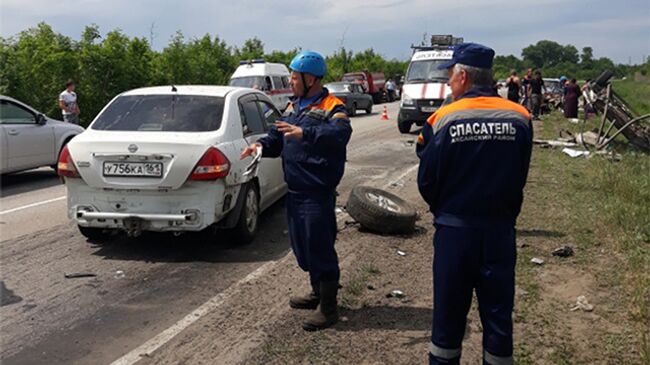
x=28 y=138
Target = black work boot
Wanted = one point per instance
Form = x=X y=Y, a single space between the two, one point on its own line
x=327 y=314
x=309 y=301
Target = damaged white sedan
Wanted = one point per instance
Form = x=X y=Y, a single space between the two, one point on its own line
x=167 y=159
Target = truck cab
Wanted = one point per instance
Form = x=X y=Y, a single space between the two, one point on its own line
x=425 y=86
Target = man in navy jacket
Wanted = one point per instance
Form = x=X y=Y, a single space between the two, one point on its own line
x=474 y=158
x=311 y=138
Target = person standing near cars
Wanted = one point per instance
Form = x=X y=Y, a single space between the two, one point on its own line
x=390 y=90
x=311 y=137
x=474 y=158
x=68 y=103
x=514 y=86
x=535 y=93
x=571 y=94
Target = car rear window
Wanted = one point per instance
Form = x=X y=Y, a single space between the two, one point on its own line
x=172 y=113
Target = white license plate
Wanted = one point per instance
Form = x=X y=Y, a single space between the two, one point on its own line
x=135 y=169
x=429 y=109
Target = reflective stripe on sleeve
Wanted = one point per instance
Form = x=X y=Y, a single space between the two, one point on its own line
x=443 y=353
x=497 y=360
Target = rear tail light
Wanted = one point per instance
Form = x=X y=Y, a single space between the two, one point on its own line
x=213 y=165
x=65 y=166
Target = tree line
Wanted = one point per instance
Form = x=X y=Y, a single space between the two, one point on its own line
x=37 y=62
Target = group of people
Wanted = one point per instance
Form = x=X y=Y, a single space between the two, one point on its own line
x=529 y=91
x=475 y=200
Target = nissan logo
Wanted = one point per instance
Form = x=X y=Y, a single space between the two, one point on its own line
x=133 y=148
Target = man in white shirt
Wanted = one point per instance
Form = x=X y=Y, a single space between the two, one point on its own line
x=68 y=104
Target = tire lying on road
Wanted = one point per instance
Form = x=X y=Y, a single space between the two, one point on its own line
x=380 y=211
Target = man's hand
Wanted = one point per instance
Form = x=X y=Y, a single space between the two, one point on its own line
x=249 y=151
x=289 y=130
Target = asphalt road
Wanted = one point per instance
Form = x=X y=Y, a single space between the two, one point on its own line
x=144 y=285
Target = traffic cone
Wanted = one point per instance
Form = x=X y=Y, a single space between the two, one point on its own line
x=384 y=114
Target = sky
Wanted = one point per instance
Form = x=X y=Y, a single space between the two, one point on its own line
x=618 y=29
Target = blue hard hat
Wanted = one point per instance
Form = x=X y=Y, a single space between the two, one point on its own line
x=470 y=54
x=309 y=62
x=563 y=78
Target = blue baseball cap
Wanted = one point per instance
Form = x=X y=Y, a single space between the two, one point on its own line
x=470 y=54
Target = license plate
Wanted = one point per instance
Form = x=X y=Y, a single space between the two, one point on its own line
x=135 y=169
x=429 y=109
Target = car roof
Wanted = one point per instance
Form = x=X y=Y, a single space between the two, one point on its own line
x=261 y=69
x=206 y=90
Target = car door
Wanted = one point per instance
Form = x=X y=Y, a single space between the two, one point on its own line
x=362 y=102
x=277 y=185
x=254 y=128
x=29 y=144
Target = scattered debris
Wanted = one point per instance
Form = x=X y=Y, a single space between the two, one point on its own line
x=590 y=138
x=575 y=153
x=520 y=291
x=119 y=274
x=395 y=294
x=7 y=296
x=397 y=185
x=582 y=303
x=537 y=260
x=338 y=210
x=554 y=143
x=370 y=287
x=564 y=251
x=74 y=275
x=401 y=253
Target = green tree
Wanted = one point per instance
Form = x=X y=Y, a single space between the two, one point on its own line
x=252 y=49
x=549 y=53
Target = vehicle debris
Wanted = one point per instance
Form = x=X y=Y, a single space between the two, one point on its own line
x=553 y=143
x=575 y=153
x=119 y=274
x=537 y=260
x=395 y=294
x=380 y=211
x=564 y=251
x=401 y=253
x=582 y=303
x=74 y=275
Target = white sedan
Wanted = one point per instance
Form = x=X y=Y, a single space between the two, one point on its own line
x=29 y=139
x=167 y=159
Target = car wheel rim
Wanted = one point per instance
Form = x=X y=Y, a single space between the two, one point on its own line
x=251 y=210
x=383 y=202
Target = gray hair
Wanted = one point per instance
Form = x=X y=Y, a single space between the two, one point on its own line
x=477 y=76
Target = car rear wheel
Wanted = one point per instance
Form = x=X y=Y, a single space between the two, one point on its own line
x=369 y=109
x=247 y=224
x=93 y=233
x=353 y=110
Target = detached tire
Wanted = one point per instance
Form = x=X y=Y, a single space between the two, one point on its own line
x=381 y=211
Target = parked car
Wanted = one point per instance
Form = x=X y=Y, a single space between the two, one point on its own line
x=352 y=95
x=271 y=78
x=28 y=138
x=372 y=83
x=167 y=159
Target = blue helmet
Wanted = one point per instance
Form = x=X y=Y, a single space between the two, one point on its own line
x=563 y=78
x=309 y=62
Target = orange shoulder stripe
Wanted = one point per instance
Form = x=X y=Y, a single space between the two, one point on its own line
x=328 y=103
x=481 y=102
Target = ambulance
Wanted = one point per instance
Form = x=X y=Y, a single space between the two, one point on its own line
x=425 y=86
x=270 y=78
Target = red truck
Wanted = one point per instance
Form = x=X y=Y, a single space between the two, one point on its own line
x=372 y=83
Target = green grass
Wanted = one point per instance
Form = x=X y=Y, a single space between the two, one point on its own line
x=353 y=289
x=637 y=94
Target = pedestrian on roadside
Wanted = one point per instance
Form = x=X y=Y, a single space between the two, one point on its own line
x=525 y=85
x=571 y=95
x=68 y=103
x=390 y=90
x=514 y=86
x=311 y=137
x=474 y=158
x=535 y=94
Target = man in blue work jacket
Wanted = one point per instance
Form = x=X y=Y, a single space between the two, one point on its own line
x=311 y=137
x=474 y=157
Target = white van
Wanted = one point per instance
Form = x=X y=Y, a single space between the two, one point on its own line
x=425 y=87
x=270 y=78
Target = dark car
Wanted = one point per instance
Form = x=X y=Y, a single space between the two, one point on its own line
x=352 y=95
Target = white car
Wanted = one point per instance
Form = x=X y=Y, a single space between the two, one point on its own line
x=29 y=139
x=167 y=159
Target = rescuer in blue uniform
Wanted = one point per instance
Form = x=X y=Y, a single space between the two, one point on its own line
x=311 y=137
x=474 y=157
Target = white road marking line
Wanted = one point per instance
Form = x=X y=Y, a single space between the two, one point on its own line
x=147 y=348
x=156 y=342
x=32 y=205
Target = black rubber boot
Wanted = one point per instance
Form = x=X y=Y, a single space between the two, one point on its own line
x=309 y=301
x=327 y=314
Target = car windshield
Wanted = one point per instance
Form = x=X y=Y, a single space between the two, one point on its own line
x=338 y=88
x=169 y=113
x=422 y=71
x=255 y=82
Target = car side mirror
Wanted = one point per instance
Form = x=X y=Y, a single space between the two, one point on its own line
x=41 y=120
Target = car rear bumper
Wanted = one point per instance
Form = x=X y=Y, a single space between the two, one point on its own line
x=193 y=207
